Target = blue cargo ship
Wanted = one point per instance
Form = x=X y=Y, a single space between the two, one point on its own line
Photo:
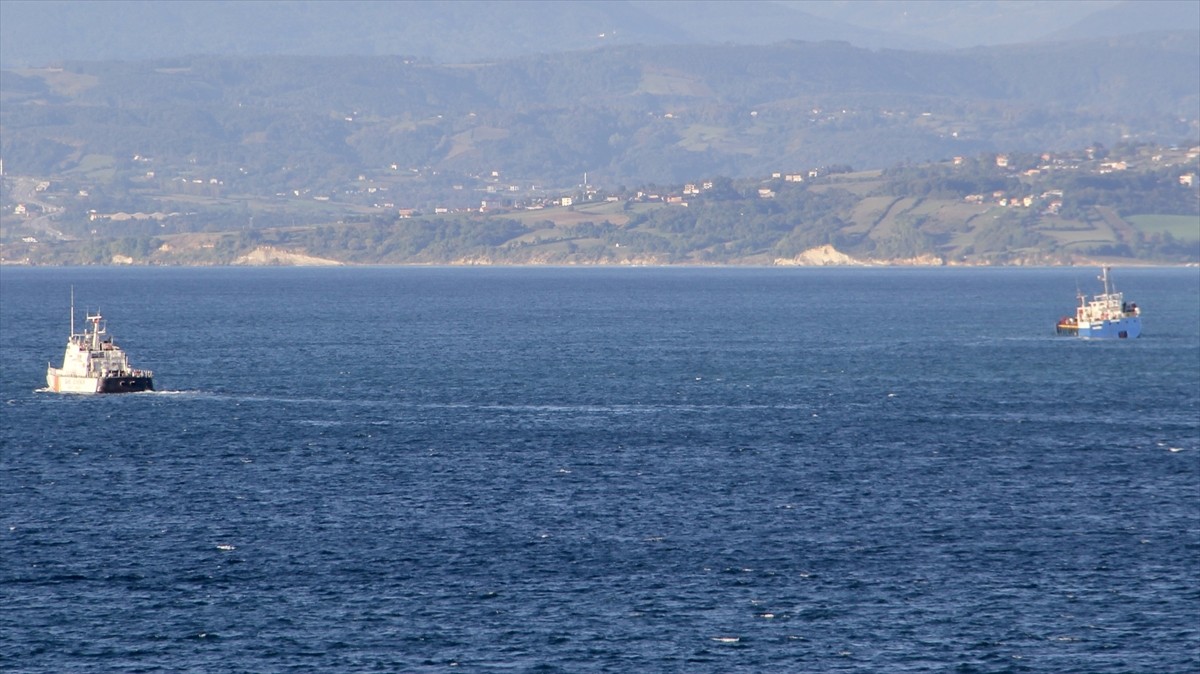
x=1105 y=316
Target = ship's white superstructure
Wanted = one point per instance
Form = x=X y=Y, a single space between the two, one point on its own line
x=92 y=363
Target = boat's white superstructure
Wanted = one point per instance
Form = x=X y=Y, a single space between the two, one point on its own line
x=92 y=363
x=1105 y=316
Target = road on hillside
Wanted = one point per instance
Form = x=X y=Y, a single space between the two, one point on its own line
x=24 y=191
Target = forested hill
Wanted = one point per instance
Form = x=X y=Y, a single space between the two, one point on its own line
x=624 y=115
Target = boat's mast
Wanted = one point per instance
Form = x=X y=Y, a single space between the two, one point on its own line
x=72 y=311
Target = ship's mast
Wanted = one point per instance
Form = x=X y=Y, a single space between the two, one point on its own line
x=72 y=311
x=95 y=329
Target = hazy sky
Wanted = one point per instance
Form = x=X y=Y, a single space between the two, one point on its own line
x=39 y=32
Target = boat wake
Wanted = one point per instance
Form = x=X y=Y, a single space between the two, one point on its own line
x=47 y=389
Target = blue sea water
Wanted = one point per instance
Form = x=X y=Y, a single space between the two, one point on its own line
x=612 y=470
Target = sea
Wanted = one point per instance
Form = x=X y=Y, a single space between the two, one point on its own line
x=447 y=469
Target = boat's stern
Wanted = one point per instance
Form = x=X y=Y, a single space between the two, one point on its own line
x=132 y=384
x=1067 y=326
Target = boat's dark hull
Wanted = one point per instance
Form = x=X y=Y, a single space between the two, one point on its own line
x=125 y=384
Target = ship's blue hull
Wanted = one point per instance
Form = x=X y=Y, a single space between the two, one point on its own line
x=1125 y=328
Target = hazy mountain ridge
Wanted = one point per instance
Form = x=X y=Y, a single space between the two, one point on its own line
x=47 y=32
x=1123 y=18
x=970 y=23
x=632 y=114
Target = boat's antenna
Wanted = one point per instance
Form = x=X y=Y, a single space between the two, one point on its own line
x=72 y=309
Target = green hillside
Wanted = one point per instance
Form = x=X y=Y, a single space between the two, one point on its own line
x=1071 y=208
